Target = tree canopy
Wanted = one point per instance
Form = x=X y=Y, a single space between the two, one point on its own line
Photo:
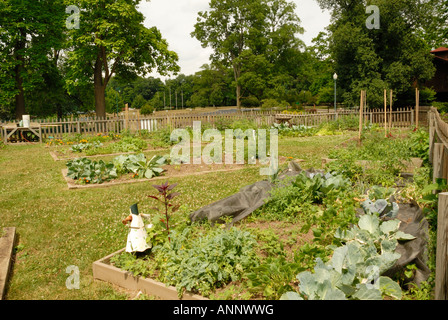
x=53 y=63
x=112 y=40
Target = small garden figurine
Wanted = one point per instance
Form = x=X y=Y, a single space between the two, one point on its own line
x=137 y=241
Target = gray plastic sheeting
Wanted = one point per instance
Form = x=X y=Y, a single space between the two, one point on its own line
x=413 y=251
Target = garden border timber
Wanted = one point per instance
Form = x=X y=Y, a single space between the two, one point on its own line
x=7 y=242
x=441 y=290
x=438 y=156
x=104 y=271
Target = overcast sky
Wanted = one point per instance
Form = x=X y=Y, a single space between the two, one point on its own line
x=176 y=18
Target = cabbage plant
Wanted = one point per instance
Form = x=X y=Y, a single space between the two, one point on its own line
x=355 y=269
x=138 y=164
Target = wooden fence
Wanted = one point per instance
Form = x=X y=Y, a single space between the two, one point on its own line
x=438 y=156
x=57 y=128
x=401 y=118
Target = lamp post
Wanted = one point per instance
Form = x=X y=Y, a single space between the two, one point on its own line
x=335 y=77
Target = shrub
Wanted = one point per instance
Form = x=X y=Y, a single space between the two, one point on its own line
x=146 y=109
x=273 y=103
x=250 y=102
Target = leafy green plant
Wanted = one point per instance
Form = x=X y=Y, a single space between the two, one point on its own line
x=270 y=243
x=297 y=195
x=355 y=268
x=419 y=144
x=139 y=165
x=203 y=262
x=378 y=161
x=84 y=146
x=273 y=277
x=290 y=130
x=161 y=138
x=128 y=261
x=87 y=171
x=129 y=144
x=383 y=207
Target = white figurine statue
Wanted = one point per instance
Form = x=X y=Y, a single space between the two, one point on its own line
x=137 y=237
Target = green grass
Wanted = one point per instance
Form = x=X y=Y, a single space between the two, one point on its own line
x=58 y=227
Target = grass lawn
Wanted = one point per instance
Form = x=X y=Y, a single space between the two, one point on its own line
x=58 y=228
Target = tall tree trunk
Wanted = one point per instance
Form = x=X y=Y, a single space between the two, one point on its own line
x=100 y=89
x=20 y=97
x=18 y=52
x=238 y=96
x=237 y=74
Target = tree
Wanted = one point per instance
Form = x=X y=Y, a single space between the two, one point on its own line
x=435 y=29
x=257 y=39
x=138 y=102
x=210 y=87
x=112 y=40
x=114 y=100
x=394 y=56
x=31 y=36
x=282 y=27
x=230 y=28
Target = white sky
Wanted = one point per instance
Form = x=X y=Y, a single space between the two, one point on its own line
x=176 y=18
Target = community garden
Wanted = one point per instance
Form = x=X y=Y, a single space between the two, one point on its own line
x=326 y=233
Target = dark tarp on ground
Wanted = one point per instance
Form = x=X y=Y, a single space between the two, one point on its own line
x=240 y=205
x=250 y=198
x=413 y=251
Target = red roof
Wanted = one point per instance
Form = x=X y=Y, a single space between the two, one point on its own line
x=441 y=49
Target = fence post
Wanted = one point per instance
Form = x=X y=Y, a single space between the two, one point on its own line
x=441 y=291
x=126 y=117
x=438 y=153
x=417 y=106
x=432 y=136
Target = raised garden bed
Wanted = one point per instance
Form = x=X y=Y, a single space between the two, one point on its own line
x=171 y=171
x=266 y=231
x=103 y=270
x=7 y=240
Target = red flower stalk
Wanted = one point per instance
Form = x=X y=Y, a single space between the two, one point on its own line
x=165 y=197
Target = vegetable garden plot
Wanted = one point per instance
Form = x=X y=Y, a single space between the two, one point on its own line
x=104 y=270
x=386 y=238
x=125 y=169
x=86 y=149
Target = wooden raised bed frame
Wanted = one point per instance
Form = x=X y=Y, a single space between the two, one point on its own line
x=103 y=270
